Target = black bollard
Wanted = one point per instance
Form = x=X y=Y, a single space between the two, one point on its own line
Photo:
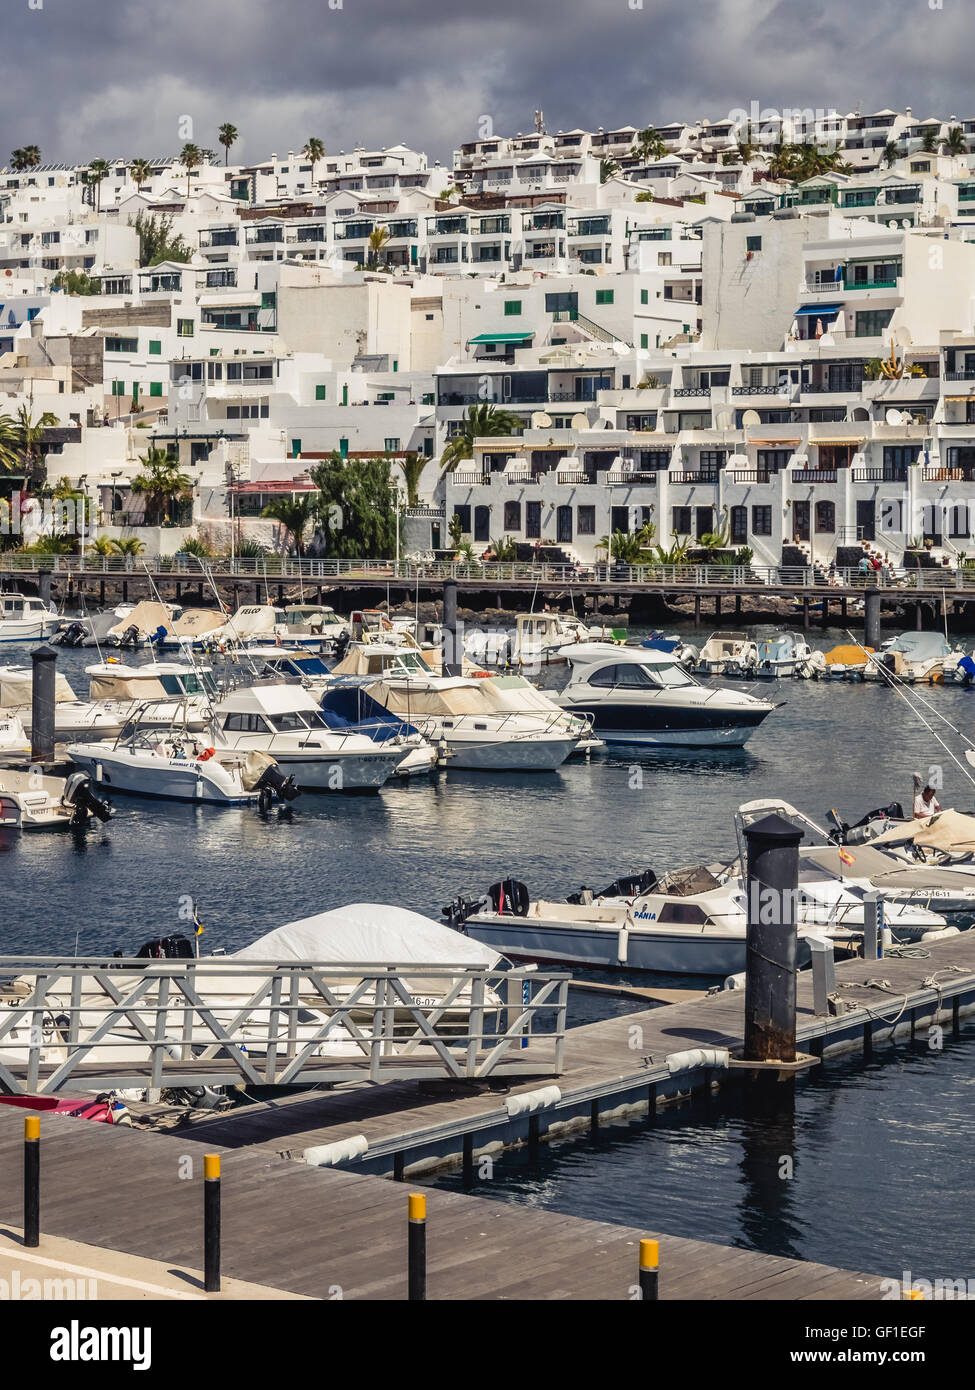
x=32 y=1181
x=871 y=618
x=452 y=658
x=770 y=946
x=417 y=1248
x=44 y=661
x=211 y=1223
x=649 y=1270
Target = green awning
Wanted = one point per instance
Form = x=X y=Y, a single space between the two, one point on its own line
x=502 y=338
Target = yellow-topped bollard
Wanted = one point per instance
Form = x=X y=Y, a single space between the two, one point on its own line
x=649 y=1268
x=417 y=1248
x=211 y=1223
x=913 y=1294
x=32 y=1180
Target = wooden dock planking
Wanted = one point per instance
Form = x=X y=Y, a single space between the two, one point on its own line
x=307 y=1230
x=597 y=1055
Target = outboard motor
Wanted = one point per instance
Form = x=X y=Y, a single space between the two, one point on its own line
x=156 y=637
x=80 y=796
x=463 y=906
x=273 y=783
x=630 y=886
x=71 y=636
x=166 y=948
x=341 y=645
x=509 y=898
x=868 y=826
x=129 y=638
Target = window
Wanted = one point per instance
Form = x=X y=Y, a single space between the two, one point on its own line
x=585 y=521
x=761 y=521
x=871 y=323
x=512 y=516
x=665 y=258
x=605 y=296
x=319 y=393
x=563 y=303
x=753 y=243
x=769 y=460
x=512 y=307
x=245 y=724
x=295 y=448
x=739 y=525
x=533 y=520
x=681 y=519
x=121 y=345
x=184 y=328
x=118 y=388
x=825 y=516
x=155 y=388
x=958 y=522
x=465 y=518
x=644 y=340
x=644 y=296
x=155 y=347
x=391 y=445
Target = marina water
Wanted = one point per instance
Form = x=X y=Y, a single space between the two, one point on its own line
x=883 y=1158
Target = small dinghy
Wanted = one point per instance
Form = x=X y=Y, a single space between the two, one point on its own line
x=29 y=801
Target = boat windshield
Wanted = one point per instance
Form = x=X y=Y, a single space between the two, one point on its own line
x=297 y=721
x=309 y=666
x=632 y=676
x=188 y=684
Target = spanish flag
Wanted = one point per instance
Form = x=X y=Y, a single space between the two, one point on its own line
x=846 y=856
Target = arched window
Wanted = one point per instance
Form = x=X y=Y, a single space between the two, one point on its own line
x=825 y=516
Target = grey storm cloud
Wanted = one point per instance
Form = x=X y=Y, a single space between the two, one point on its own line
x=117 y=77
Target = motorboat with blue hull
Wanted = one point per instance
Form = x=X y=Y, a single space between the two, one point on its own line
x=639 y=696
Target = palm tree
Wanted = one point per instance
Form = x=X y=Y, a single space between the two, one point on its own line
x=412 y=466
x=294 y=514
x=191 y=157
x=127 y=545
x=161 y=483
x=101 y=545
x=227 y=135
x=648 y=145
x=480 y=422
x=27 y=157
x=378 y=238
x=607 y=168
x=891 y=152
x=9 y=439
x=140 y=170
x=313 y=152
x=29 y=436
x=96 y=171
x=929 y=141
x=955 y=141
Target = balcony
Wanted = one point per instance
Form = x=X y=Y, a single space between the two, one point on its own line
x=814 y=475
x=760 y=390
x=572 y=477
x=886 y=284
x=632 y=479
x=470 y=479
x=946 y=475
x=519 y=479
x=692 y=391
x=751 y=475
x=968 y=375
x=709 y=476
x=823 y=286
x=878 y=475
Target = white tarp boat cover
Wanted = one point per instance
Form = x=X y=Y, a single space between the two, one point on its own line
x=194 y=622
x=370 y=934
x=16 y=684
x=951 y=831
x=147 y=617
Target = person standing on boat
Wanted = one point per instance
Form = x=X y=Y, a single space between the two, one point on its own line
x=925 y=799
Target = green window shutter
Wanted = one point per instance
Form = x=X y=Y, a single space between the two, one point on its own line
x=395 y=365
x=319 y=393
x=644 y=341
x=753 y=243
x=295 y=448
x=155 y=388
x=604 y=296
x=644 y=296
x=344 y=448
x=512 y=307
x=118 y=388
x=155 y=347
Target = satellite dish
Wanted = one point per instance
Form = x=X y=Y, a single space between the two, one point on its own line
x=894 y=417
x=580 y=421
x=620 y=348
x=859 y=412
x=723 y=418
x=751 y=417
x=827 y=340
x=541 y=421
x=902 y=336
x=581 y=357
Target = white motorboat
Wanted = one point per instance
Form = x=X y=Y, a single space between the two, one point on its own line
x=252 y=623
x=14 y=738
x=459 y=714
x=165 y=693
x=172 y=768
x=780 y=657
x=539 y=637
x=639 y=696
x=513 y=694
x=914 y=658
x=142 y=626
x=29 y=801
x=310 y=624
x=25 y=619
x=72 y=717
x=281 y=719
x=723 y=649
x=346 y=707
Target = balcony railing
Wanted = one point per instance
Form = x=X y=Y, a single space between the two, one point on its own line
x=518 y=479
x=471 y=479
x=945 y=475
x=693 y=391
x=641 y=479
x=571 y=477
x=759 y=390
x=968 y=375
x=814 y=475
x=823 y=286
x=751 y=475
x=709 y=476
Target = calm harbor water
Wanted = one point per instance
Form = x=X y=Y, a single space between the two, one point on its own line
x=886 y=1145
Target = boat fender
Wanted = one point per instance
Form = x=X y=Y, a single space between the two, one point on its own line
x=205 y=755
x=939 y=934
x=622 y=942
x=735 y=981
x=328 y=1155
x=697 y=1057
x=530 y=1101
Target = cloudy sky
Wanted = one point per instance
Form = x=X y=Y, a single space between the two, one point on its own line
x=116 y=77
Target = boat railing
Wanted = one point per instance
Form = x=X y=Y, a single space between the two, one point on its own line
x=103 y=1022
